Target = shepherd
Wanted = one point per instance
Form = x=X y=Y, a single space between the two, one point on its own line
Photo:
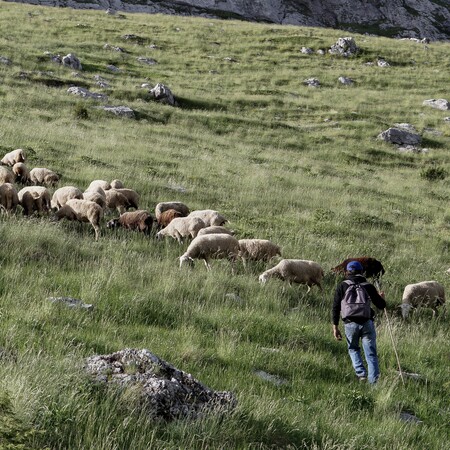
x=352 y=301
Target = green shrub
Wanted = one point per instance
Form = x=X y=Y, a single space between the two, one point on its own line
x=434 y=173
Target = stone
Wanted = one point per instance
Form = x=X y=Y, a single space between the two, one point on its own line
x=440 y=103
x=446 y=119
x=149 y=61
x=411 y=149
x=114 y=47
x=400 y=137
x=230 y=59
x=82 y=92
x=382 y=63
x=121 y=111
x=162 y=94
x=165 y=392
x=234 y=297
x=312 y=82
x=345 y=46
x=72 y=61
x=113 y=68
x=406 y=126
x=111 y=12
x=71 y=302
x=321 y=52
x=100 y=81
x=5 y=60
x=410 y=418
x=346 y=81
x=307 y=50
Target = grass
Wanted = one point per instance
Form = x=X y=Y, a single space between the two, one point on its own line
x=282 y=161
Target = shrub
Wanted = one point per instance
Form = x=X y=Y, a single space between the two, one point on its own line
x=80 y=112
x=434 y=173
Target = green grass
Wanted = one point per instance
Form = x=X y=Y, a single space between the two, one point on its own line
x=282 y=161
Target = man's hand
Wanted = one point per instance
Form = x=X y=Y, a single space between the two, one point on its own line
x=336 y=333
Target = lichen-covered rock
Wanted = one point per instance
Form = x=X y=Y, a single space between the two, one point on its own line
x=345 y=46
x=382 y=63
x=440 y=103
x=166 y=392
x=346 y=81
x=312 y=82
x=82 y=92
x=149 y=61
x=121 y=111
x=400 y=137
x=307 y=50
x=5 y=60
x=72 y=61
x=162 y=94
x=71 y=302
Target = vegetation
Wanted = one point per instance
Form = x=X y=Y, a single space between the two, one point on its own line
x=297 y=165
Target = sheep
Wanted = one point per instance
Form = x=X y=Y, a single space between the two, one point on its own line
x=34 y=198
x=211 y=246
x=139 y=220
x=372 y=267
x=99 y=183
x=116 y=184
x=215 y=229
x=8 y=197
x=296 y=271
x=165 y=206
x=21 y=173
x=209 y=216
x=98 y=196
x=116 y=200
x=42 y=175
x=131 y=195
x=81 y=211
x=6 y=176
x=182 y=227
x=258 y=249
x=426 y=293
x=63 y=194
x=167 y=216
x=13 y=157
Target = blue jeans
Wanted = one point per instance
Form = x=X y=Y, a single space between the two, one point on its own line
x=366 y=332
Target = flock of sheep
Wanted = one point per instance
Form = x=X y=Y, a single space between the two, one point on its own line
x=210 y=238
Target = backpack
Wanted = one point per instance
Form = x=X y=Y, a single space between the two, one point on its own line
x=356 y=301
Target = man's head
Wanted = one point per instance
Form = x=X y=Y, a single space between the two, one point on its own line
x=354 y=267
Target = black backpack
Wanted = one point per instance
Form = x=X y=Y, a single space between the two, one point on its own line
x=356 y=301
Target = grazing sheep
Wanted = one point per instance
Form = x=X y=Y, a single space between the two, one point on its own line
x=296 y=271
x=63 y=194
x=131 y=195
x=139 y=220
x=6 y=176
x=8 y=197
x=167 y=216
x=21 y=173
x=209 y=216
x=41 y=175
x=98 y=183
x=165 y=206
x=81 y=211
x=98 y=196
x=116 y=200
x=429 y=294
x=13 y=157
x=182 y=227
x=211 y=246
x=116 y=184
x=34 y=198
x=215 y=229
x=372 y=267
x=258 y=249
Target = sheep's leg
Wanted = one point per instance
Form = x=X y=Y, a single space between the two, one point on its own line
x=178 y=237
x=97 y=230
x=208 y=267
x=309 y=288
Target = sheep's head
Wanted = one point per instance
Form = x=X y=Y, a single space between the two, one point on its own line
x=263 y=278
x=406 y=309
x=186 y=259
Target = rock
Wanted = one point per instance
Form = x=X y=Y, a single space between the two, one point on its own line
x=111 y=12
x=71 y=302
x=149 y=61
x=235 y=297
x=113 y=68
x=440 y=103
x=345 y=47
x=321 y=52
x=162 y=94
x=164 y=391
x=446 y=119
x=121 y=111
x=230 y=59
x=312 y=82
x=448 y=271
x=400 y=137
x=406 y=126
x=413 y=376
x=76 y=90
x=408 y=417
x=345 y=80
x=100 y=81
x=5 y=60
x=382 y=63
x=115 y=48
x=152 y=46
x=307 y=50
x=274 y=379
x=72 y=61
x=432 y=131
x=133 y=37
x=411 y=149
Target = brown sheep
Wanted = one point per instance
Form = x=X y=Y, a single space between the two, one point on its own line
x=372 y=267
x=81 y=211
x=117 y=184
x=21 y=173
x=165 y=206
x=13 y=157
x=6 y=176
x=34 y=198
x=63 y=194
x=42 y=175
x=8 y=197
x=167 y=216
x=139 y=220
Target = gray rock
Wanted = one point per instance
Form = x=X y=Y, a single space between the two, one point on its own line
x=312 y=82
x=72 y=61
x=235 y=297
x=274 y=379
x=411 y=149
x=113 y=68
x=382 y=63
x=5 y=60
x=400 y=137
x=114 y=47
x=410 y=418
x=406 y=126
x=100 y=81
x=446 y=119
x=149 y=61
x=121 y=111
x=321 y=52
x=346 y=81
x=440 y=103
x=345 y=47
x=71 y=302
x=162 y=94
x=307 y=50
x=82 y=92
x=111 y=12
x=166 y=392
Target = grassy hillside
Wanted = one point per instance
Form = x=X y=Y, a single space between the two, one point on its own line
x=297 y=165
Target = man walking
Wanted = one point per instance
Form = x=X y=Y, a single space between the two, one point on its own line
x=352 y=301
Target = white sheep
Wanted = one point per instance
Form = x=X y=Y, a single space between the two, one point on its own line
x=296 y=271
x=6 y=176
x=116 y=200
x=21 y=173
x=258 y=249
x=132 y=197
x=209 y=216
x=95 y=194
x=8 y=197
x=426 y=293
x=13 y=157
x=101 y=183
x=116 y=184
x=181 y=227
x=42 y=175
x=81 y=211
x=63 y=194
x=34 y=198
x=215 y=229
x=165 y=206
x=211 y=246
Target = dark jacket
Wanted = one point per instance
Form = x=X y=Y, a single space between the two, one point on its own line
x=375 y=297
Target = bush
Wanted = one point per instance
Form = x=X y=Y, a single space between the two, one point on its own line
x=80 y=111
x=434 y=173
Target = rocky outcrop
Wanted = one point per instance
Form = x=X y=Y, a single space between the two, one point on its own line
x=394 y=18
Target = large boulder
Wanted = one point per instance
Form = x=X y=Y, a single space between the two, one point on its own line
x=345 y=46
x=166 y=392
x=440 y=103
x=72 y=61
x=162 y=94
x=400 y=136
